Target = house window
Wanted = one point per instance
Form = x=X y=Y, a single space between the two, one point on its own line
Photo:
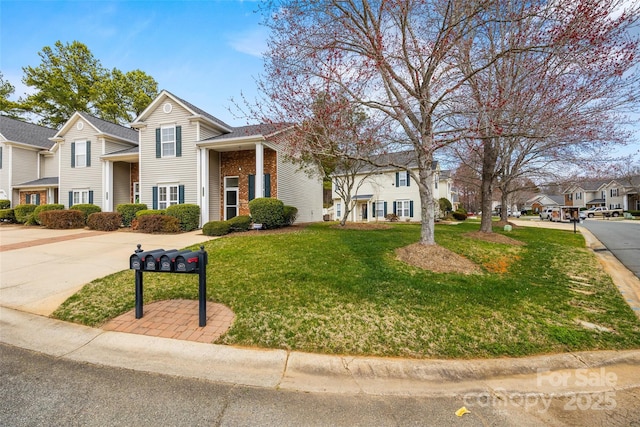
x=614 y=192
x=32 y=199
x=168 y=141
x=338 y=210
x=81 y=154
x=80 y=196
x=136 y=192
x=402 y=179
x=380 y=208
x=167 y=196
x=403 y=209
x=579 y=196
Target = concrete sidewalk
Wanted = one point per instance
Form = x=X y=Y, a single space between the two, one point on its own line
x=36 y=279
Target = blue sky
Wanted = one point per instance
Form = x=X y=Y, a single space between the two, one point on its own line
x=204 y=51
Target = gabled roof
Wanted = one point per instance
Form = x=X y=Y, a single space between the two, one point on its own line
x=109 y=128
x=186 y=105
x=102 y=127
x=26 y=133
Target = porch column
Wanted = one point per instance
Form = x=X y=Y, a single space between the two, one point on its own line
x=107 y=198
x=259 y=170
x=203 y=185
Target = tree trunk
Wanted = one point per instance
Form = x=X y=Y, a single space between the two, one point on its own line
x=489 y=160
x=427 y=202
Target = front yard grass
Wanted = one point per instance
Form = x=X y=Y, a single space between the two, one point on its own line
x=342 y=291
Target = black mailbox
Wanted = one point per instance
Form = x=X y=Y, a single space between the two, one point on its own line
x=167 y=260
x=171 y=261
x=187 y=262
x=138 y=259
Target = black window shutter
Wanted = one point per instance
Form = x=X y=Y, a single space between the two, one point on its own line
x=70 y=199
x=267 y=185
x=178 y=141
x=385 y=208
x=408 y=179
x=411 y=208
x=181 y=194
x=397 y=179
x=374 y=209
x=90 y=197
x=158 y=145
x=252 y=187
x=395 y=208
x=154 y=191
x=73 y=154
x=88 y=153
x=1 y=157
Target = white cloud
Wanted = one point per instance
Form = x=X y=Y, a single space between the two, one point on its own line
x=252 y=42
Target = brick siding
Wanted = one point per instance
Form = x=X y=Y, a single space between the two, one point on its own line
x=242 y=164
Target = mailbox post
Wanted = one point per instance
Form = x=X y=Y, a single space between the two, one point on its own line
x=171 y=261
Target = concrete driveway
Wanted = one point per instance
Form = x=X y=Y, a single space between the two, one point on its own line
x=41 y=268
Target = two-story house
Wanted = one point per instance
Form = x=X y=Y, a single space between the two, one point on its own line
x=98 y=162
x=380 y=191
x=608 y=193
x=28 y=167
x=187 y=155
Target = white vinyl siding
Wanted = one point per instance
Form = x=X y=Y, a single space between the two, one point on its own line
x=181 y=169
x=296 y=188
x=89 y=177
x=214 y=186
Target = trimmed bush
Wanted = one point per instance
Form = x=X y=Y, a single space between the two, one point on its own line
x=48 y=207
x=239 y=223
x=268 y=212
x=22 y=212
x=7 y=215
x=290 y=214
x=188 y=215
x=128 y=211
x=460 y=216
x=104 y=221
x=444 y=204
x=5 y=204
x=216 y=228
x=158 y=224
x=144 y=212
x=86 y=209
x=63 y=219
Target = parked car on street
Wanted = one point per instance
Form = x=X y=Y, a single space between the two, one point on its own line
x=603 y=211
x=546 y=214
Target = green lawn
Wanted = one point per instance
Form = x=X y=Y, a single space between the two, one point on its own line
x=329 y=290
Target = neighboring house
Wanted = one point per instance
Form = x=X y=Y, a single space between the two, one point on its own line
x=189 y=156
x=613 y=194
x=586 y=194
x=539 y=202
x=391 y=190
x=98 y=162
x=28 y=167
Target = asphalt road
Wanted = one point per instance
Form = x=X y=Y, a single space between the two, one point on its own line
x=622 y=239
x=40 y=390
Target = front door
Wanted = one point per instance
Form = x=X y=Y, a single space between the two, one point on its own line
x=364 y=212
x=230 y=197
